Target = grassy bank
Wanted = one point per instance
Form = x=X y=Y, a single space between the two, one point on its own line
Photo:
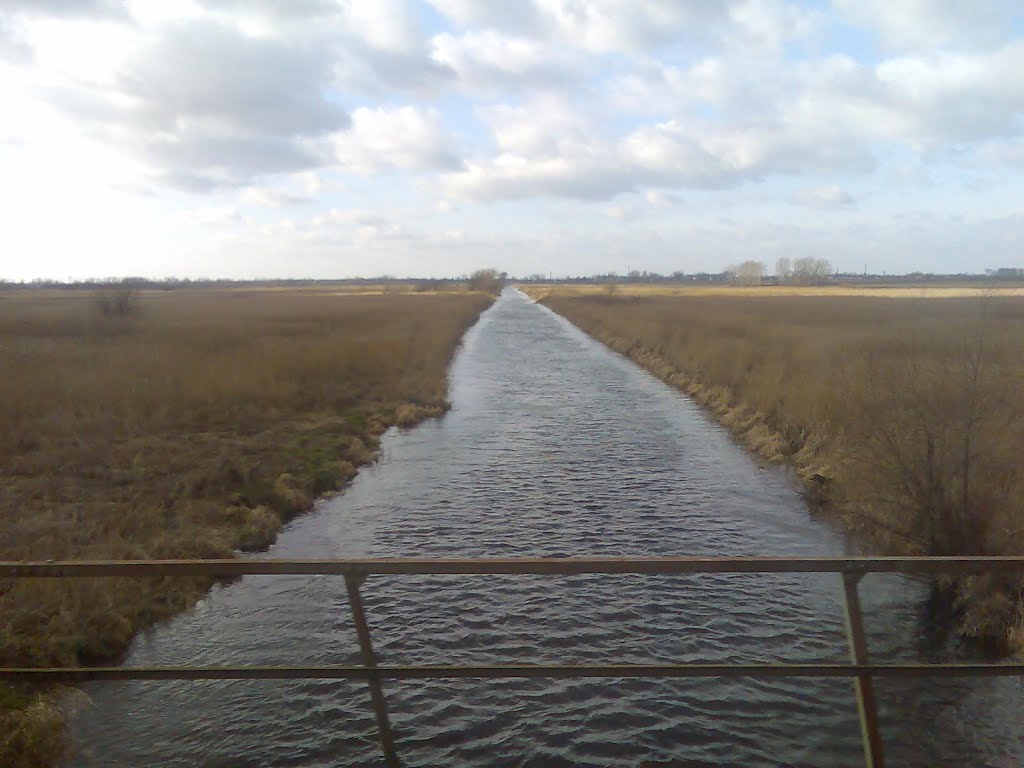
x=904 y=414
x=182 y=425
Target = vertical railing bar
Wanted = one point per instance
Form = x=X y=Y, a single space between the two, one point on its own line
x=380 y=709
x=864 y=686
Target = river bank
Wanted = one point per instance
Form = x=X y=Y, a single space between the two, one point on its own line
x=872 y=401
x=192 y=426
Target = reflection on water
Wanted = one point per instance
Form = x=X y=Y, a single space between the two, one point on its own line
x=555 y=446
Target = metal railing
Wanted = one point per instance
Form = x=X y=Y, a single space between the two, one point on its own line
x=851 y=569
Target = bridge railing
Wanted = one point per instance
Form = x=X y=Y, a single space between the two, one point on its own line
x=851 y=569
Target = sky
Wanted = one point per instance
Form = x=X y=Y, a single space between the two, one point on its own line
x=349 y=138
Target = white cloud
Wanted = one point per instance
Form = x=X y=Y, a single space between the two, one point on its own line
x=950 y=96
x=405 y=138
x=671 y=152
x=831 y=196
x=510 y=177
x=930 y=23
x=661 y=199
x=648 y=205
x=292 y=189
x=13 y=46
x=515 y=15
x=360 y=224
x=595 y=25
x=388 y=25
x=218 y=215
x=607 y=25
x=543 y=126
x=252 y=108
x=556 y=155
x=245 y=84
x=490 y=59
x=271 y=198
x=279 y=10
x=771 y=23
x=832 y=113
x=91 y=9
x=1011 y=153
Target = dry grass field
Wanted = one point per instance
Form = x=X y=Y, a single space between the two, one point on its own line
x=184 y=424
x=922 y=291
x=905 y=416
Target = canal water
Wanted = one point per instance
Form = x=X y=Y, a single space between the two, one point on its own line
x=554 y=446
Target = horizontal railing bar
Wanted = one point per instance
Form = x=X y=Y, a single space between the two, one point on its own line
x=80 y=674
x=506 y=566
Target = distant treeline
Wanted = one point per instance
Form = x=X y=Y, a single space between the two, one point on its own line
x=749 y=272
x=798 y=271
x=179 y=283
x=736 y=275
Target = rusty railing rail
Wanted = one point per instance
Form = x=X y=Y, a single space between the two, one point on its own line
x=355 y=571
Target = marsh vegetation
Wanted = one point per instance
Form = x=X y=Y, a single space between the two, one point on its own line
x=191 y=424
x=903 y=415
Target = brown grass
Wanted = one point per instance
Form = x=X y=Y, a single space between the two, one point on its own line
x=922 y=291
x=191 y=427
x=906 y=416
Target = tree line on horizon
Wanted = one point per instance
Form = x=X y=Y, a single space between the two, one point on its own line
x=807 y=270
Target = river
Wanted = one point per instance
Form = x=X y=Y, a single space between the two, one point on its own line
x=554 y=446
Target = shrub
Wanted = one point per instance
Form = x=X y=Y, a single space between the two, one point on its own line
x=486 y=280
x=120 y=301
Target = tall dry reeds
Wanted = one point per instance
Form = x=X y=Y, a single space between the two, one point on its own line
x=906 y=415
x=190 y=426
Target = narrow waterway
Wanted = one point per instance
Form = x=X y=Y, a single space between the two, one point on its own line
x=554 y=446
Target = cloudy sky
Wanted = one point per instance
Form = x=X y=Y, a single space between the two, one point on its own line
x=338 y=138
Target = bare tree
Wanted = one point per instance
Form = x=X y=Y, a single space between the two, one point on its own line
x=750 y=272
x=932 y=430
x=118 y=300
x=487 y=280
x=784 y=269
x=808 y=270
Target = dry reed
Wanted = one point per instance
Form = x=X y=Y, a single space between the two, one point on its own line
x=191 y=426
x=905 y=415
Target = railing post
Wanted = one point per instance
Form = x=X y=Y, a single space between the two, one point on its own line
x=380 y=709
x=864 y=686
